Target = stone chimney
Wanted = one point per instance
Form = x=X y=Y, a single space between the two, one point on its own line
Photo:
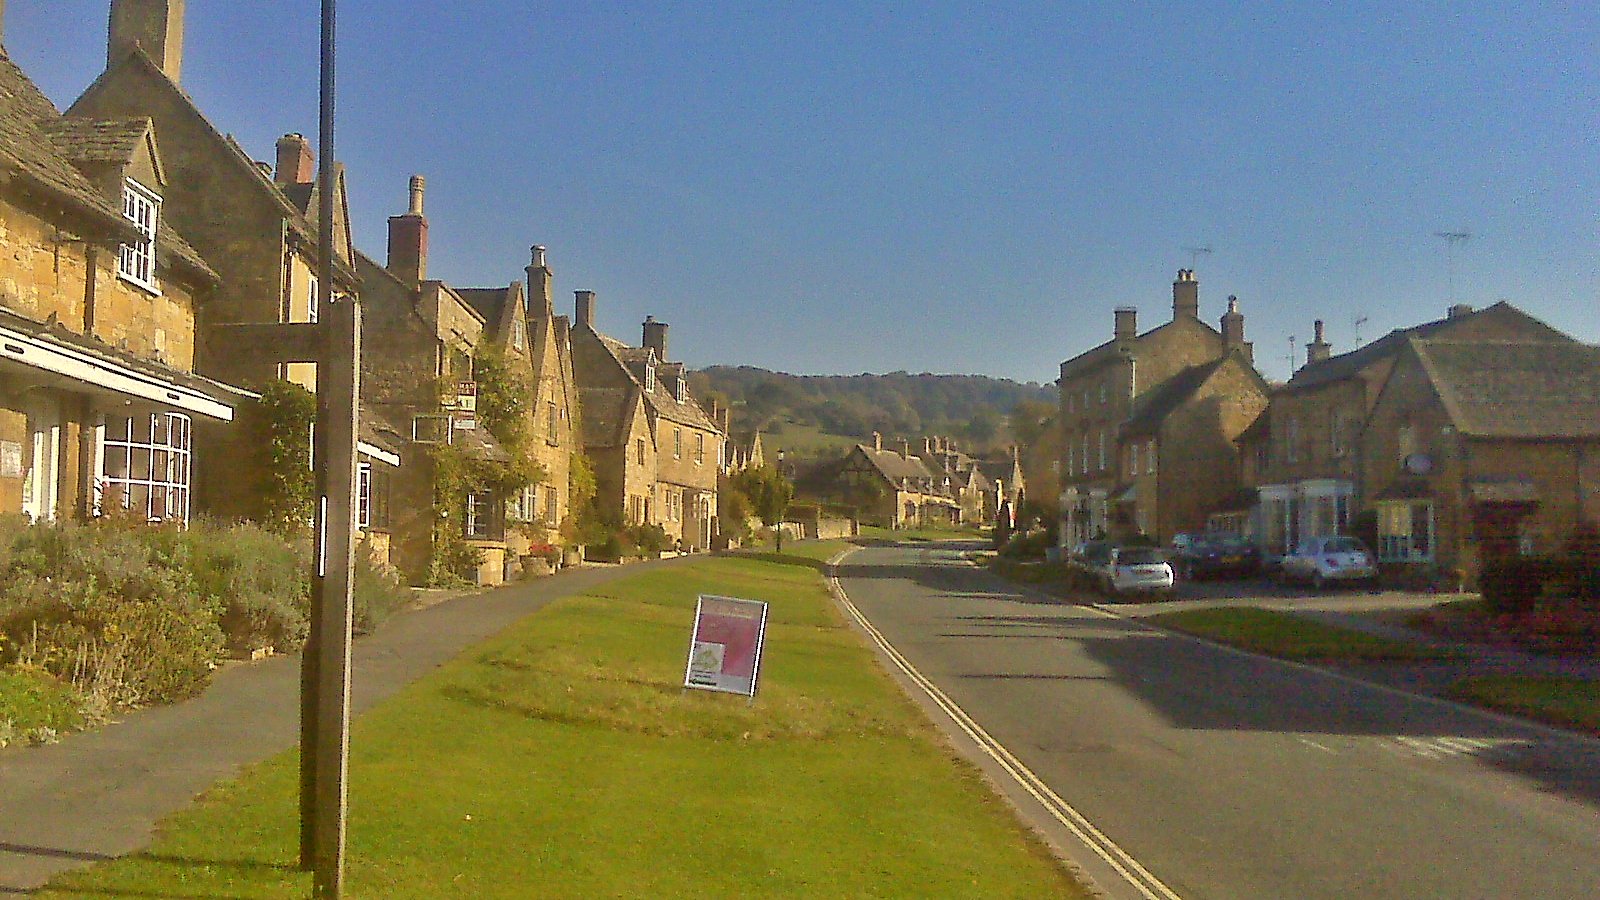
x=1185 y=296
x=1125 y=323
x=296 y=165
x=905 y=448
x=1317 y=349
x=655 y=337
x=154 y=26
x=1233 y=330
x=583 y=314
x=877 y=441
x=408 y=239
x=540 y=299
x=1457 y=310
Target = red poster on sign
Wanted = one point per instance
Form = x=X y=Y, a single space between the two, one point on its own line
x=725 y=650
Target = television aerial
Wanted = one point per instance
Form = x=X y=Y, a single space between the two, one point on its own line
x=1360 y=321
x=1452 y=240
x=1194 y=254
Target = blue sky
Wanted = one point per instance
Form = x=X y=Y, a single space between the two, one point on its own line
x=845 y=187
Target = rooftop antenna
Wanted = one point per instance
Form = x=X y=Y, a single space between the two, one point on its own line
x=1452 y=239
x=1194 y=254
x=1360 y=321
x=1292 y=356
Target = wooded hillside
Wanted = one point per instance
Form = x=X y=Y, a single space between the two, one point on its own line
x=970 y=407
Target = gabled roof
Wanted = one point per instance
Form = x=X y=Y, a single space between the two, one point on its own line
x=663 y=400
x=893 y=466
x=140 y=63
x=1110 y=350
x=1516 y=390
x=29 y=152
x=606 y=414
x=488 y=302
x=1347 y=365
x=99 y=140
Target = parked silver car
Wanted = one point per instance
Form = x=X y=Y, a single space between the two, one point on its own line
x=1320 y=561
x=1136 y=570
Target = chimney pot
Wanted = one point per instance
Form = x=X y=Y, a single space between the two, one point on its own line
x=154 y=26
x=417 y=185
x=1125 y=323
x=1457 y=310
x=583 y=316
x=296 y=165
x=408 y=238
x=538 y=256
x=877 y=441
x=1185 y=296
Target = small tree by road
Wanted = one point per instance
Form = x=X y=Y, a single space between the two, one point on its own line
x=768 y=493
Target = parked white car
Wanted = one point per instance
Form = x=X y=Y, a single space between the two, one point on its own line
x=1320 y=561
x=1130 y=570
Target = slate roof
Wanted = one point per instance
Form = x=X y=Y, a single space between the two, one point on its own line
x=38 y=143
x=1346 y=365
x=605 y=411
x=662 y=400
x=1159 y=402
x=28 y=151
x=1516 y=390
x=1094 y=356
x=487 y=302
x=894 y=466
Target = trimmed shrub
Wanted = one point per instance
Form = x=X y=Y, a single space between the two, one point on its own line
x=379 y=591
x=1512 y=585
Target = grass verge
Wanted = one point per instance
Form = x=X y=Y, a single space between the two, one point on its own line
x=31 y=700
x=1290 y=636
x=929 y=533
x=563 y=758
x=1567 y=702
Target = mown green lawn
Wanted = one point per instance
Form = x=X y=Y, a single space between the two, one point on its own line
x=564 y=759
x=1568 y=702
x=1289 y=636
x=31 y=700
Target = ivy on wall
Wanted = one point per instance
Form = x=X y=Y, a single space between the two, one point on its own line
x=281 y=422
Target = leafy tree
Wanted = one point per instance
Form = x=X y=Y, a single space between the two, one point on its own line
x=281 y=420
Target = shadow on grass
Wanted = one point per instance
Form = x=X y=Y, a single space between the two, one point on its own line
x=782 y=559
x=87 y=856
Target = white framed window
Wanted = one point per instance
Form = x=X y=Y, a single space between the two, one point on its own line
x=699 y=448
x=1405 y=530
x=1083 y=461
x=1102 y=458
x=364 y=495
x=136 y=262
x=552 y=424
x=638 y=446
x=550 y=517
x=677 y=443
x=145 y=466
x=1072 y=457
x=1133 y=459
x=479 y=515
x=650 y=376
x=313 y=299
x=682 y=389
x=1150 y=457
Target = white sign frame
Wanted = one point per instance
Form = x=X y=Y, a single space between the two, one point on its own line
x=706 y=666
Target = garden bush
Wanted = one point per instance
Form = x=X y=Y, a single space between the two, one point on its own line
x=1027 y=546
x=379 y=591
x=1512 y=585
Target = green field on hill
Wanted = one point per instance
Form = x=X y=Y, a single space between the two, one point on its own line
x=563 y=758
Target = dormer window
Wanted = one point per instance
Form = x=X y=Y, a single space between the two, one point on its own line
x=650 y=375
x=136 y=262
x=683 y=389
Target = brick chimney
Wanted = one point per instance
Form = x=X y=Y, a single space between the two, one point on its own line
x=1318 y=349
x=154 y=26
x=905 y=448
x=655 y=337
x=408 y=239
x=296 y=165
x=1233 y=330
x=540 y=299
x=583 y=313
x=1185 y=296
x=1125 y=323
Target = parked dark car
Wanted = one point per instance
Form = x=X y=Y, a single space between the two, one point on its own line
x=1218 y=557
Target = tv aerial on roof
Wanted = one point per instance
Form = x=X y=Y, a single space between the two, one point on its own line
x=1194 y=254
x=1452 y=240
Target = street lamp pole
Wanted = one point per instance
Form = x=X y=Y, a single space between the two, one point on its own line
x=780 y=515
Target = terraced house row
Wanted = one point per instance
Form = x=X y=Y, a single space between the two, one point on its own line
x=1445 y=444
x=135 y=232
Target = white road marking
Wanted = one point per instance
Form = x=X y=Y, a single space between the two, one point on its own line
x=1136 y=875
x=1310 y=743
x=1441 y=747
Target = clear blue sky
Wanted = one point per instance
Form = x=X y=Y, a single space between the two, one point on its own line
x=838 y=187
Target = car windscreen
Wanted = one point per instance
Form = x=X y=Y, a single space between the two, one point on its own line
x=1139 y=556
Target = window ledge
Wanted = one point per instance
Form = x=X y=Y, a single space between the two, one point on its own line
x=151 y=288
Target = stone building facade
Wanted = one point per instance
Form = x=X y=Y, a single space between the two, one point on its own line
x=1101 y=390
x=1306 y=461
x=99 y=294
x=657 y=453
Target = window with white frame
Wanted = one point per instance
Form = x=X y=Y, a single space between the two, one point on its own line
x=479 y=522
x=1133 y=459
x=552 y=424
x=364 y=496
x=677 y=443
x=145 y=466
x=1083 y=461
x=550 y=506
x=1405 y=530
x=650 y=376
x=699 y=448
x=1102 y=456
x=313 y=299
x=137 y=261
x=1150 y=457
x=638 y=446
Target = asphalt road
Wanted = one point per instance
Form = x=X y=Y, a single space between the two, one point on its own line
x=1227 y=775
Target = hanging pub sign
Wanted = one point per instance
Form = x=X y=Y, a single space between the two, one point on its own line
x=725 y=650
x=465 y=411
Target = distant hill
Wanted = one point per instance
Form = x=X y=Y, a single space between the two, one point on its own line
x=809 y=412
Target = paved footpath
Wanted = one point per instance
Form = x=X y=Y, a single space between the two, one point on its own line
x=99 y=794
